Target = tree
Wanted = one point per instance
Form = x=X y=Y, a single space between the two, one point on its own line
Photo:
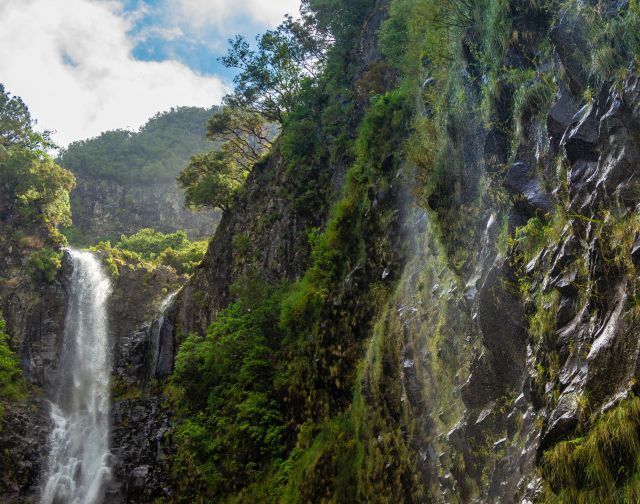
x=34 y=188
x=245 y=136
x=339 y=18
x=16 y=124
x=267 y=88
x=272 y=76
x=212 y=180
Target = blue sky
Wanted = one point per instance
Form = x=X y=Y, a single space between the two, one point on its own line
x=163 y=40
x=87 y=66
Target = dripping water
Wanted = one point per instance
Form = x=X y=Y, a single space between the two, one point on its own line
x=78 y=463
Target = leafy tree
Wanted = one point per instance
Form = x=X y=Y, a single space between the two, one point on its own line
x=155 y=248
x=149 y=243
x=245 y=136
x=272 y=76
x=35 y=189
x=212 y=180
x=16 y=124
x=224 y=384
x=340 y=18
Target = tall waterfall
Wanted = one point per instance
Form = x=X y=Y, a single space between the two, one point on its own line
x=78 y=464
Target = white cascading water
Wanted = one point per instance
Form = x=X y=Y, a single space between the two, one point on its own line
x=78 y=464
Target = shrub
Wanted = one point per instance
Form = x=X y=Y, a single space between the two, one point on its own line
x=43 y=265
x=11 y=381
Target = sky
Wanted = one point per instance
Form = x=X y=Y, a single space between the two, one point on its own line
x=88 y=66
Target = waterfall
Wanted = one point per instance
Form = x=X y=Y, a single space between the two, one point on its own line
x=78 y=464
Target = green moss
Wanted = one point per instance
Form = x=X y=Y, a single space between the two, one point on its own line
x=12 y=384
x=123 y=391
x=602 y=465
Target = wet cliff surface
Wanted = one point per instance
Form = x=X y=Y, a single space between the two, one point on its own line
x=475 y=341
x=34 y=312
x=505 y=343
x=142 y=352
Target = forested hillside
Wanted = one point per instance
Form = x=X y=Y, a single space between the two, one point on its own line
x=127 y=180
x=423 y=287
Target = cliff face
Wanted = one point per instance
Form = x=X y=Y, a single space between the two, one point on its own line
x=106 y=209
x=508 y=330
x=142 y=349
x=34 y=312
x=457 y=282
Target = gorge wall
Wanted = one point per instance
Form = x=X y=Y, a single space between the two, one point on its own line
x=426 y=292
x=469 y=308
x=107 y=209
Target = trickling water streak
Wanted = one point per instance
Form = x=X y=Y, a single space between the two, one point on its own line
x=78 y=464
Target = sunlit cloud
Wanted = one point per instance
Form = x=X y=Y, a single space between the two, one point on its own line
x=72 y=63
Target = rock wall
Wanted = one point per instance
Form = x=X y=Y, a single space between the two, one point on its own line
x=104 y=209
x=476 y=368
x=141 y=310
x=143 y=349
x=34 y=314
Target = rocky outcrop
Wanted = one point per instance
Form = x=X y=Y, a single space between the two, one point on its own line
x=265 y=236
x=106 y=209
x=144 y=350
x=23 y=441
x=35 y=314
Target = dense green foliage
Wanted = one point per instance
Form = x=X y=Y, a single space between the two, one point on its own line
x=43 y=264
x=156 y=152
x=269 y=373
x=11 y=380
x=155 y=249
x=16 y=124
x=454 y=73
x=212 y=180
x=226 y=385
x=272 y=76
x=35 y=189
x=267 y=88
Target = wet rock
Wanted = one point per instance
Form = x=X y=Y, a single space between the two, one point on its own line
x=23 y=440
x=563 y=421
x=614 y=353
x=137 y=484
x=528 y=187
x=571 y=45
x=581 y=142
x=560 y=117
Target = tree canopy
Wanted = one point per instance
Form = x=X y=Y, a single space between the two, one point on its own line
x=156 y=152
x=35 y=189
x=272 y=75
x=212 y=180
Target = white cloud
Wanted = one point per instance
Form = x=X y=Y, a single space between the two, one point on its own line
x=71 y=62
x=218 y=13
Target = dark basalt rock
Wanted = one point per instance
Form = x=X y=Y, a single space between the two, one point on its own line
x=571 y=46
x=141 y=422
x=581 y=141
x=23 y=441
x=103 y=207
x=531 y=197
x=560 y=117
